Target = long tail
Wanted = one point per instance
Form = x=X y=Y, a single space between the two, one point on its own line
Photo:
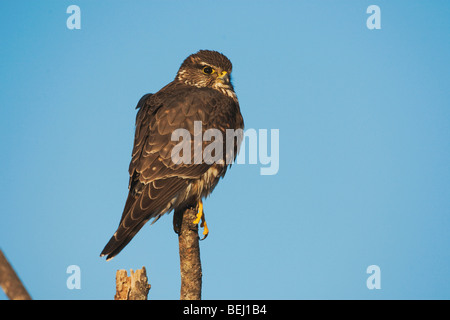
x=115 y=245
x=140 y=208
x=123 y=235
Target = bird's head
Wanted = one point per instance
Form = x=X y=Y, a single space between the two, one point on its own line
x=207 y=69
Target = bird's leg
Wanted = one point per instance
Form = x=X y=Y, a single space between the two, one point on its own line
x=199 y=212
x=204 y=226
x=201 y=216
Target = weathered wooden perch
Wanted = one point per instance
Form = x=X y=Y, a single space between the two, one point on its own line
x=10 y=282
x=190 y=264
x=133 y=287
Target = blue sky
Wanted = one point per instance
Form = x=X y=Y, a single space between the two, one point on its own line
x=363 y=118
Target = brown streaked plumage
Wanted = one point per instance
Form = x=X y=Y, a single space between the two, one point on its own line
x=201 y=91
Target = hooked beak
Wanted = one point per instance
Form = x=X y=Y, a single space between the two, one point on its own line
x=224 y=77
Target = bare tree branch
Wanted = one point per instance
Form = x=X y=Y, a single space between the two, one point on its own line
x=10 y=282
x=190 y=264
x=134 y=287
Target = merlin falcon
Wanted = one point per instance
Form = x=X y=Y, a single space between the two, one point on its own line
x=201 y=93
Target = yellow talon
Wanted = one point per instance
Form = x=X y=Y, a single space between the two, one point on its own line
x=199 y=213
x=201 y=216
x=205 y=227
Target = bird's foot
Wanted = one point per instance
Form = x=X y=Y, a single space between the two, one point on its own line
x=201 y=216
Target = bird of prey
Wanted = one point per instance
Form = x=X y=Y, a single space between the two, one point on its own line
x=201 y=93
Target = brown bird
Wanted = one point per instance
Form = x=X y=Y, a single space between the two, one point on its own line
x=166 y=174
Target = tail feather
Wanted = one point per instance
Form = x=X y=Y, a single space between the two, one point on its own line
x=114 y=245
x=153 y=200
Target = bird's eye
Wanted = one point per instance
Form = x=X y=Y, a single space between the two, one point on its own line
x=208 y=70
